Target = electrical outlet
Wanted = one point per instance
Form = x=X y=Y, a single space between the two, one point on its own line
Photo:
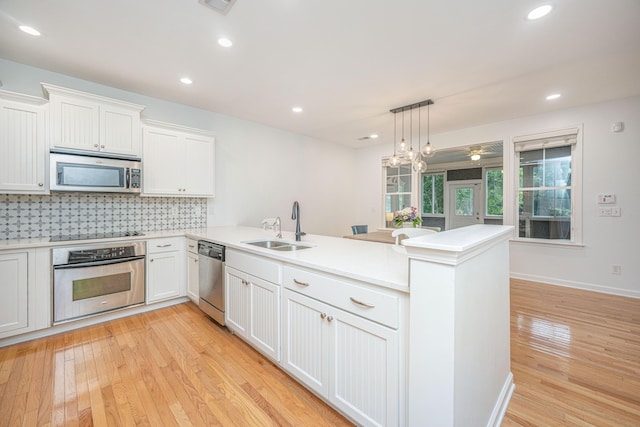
x=605 y=211
x=616 y=269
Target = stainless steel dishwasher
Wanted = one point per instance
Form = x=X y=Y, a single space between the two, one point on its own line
x=211 y=281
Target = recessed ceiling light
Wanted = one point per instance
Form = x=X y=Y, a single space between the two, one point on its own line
x=373 y=136
x=539 y=12
x=225 y=42
x=297 y=109
x=186 y=80
x=553 y=96
x=29 y=30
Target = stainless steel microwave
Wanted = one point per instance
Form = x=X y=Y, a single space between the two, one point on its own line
x=84 y=173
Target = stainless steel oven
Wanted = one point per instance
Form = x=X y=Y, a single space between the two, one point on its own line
x=92 y=279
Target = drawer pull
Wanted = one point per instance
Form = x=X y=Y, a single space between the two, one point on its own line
x=364 y=304
x=163 y=246
x=297 y=282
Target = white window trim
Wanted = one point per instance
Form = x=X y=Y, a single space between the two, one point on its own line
x=415 y=183
x=550 y=139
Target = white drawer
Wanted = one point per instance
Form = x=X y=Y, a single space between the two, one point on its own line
x=375 y=305
x=192 y=245
x=257 y=266
x=165 y=244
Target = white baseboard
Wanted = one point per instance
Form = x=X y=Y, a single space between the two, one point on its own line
x=81 y=323
x=503 y=402
x=577 y=285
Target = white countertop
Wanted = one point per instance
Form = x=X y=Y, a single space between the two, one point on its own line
x=376 y=263
x=380 y=264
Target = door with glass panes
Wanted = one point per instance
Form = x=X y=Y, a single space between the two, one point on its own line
x=465 y=204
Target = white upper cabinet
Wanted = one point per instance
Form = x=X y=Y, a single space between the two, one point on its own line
x=22 y=144
x=177 y=161
x=82 y=121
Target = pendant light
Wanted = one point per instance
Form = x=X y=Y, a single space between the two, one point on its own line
x=410 y=153
x=403 y=143
x=394 y=160
x=419 y=165
x=427 y=150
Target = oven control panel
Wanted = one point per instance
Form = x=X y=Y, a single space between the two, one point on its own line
x=101 y=254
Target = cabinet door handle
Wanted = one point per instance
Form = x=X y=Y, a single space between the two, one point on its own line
x=330 y=318
x=102 y=146
x=151 y=260
x=163 y=246
x=297 y=282
x=195 y=260
x=323 y=315
x=364 y=304
x=40 y=184
x=245 y=282
x=95 y=145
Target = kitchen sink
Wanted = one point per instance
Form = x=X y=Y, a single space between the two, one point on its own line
x=278 y=245
x=269 y=244
x=291 y=247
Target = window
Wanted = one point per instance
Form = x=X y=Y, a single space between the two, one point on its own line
x=433 y=194
x=547 y=187
x=493 y=184
x=398 y=187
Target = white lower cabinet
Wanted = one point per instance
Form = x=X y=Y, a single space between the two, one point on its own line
x=253 y=311
x=193 y=284
x=165 y=273
x=25 y=291
x=348 y=360
x=14 y=292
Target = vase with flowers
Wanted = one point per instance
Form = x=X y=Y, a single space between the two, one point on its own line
x=407 y=215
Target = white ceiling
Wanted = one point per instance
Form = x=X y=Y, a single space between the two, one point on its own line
x=345 y=62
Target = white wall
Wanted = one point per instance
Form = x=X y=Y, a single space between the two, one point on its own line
x=260 y=170
x=609 y=166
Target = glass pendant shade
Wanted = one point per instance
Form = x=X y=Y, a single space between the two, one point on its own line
x=419 y=165
x=394 y=160
x=403 y=146
x=427 y=150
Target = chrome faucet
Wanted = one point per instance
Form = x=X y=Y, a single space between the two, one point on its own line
x=295 y=214
x=277 y=225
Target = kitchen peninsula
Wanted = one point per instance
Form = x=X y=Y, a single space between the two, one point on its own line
x=411 y=335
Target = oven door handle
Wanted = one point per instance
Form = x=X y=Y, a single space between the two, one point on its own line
x=96 y=263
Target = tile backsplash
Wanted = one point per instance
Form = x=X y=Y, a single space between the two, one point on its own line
x=61 y=214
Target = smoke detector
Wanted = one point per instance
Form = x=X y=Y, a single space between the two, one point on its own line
x=222 y=6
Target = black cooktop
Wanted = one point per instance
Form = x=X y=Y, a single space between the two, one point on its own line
x=92 y=236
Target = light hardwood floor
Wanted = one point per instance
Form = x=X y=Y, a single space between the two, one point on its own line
x=575 y=360
x=575 y=357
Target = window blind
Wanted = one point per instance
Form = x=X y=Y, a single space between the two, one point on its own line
x=546 y=140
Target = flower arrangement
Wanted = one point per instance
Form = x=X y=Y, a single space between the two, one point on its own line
x=409 y=214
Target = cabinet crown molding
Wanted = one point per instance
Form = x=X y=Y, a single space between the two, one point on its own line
x=49 y=89
x=20 y=97
x=175 y=127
